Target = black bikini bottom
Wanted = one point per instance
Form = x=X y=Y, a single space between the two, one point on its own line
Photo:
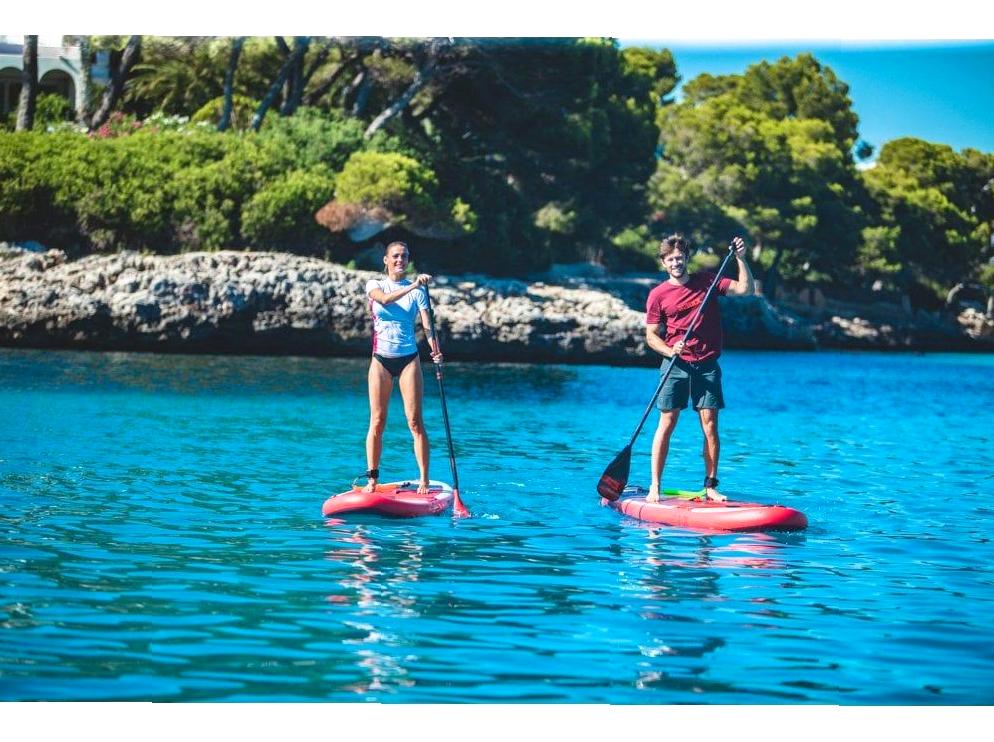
x=395 y=365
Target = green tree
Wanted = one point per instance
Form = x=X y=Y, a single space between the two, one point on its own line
x=798 y=88
x=530 y=129
x=768 y=152
x=937 y=209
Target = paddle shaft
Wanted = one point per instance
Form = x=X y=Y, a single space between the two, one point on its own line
x=690 y=330
x=441 y=394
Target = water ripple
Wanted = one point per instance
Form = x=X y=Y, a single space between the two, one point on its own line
x=160 y=538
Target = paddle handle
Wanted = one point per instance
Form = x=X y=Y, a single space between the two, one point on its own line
x=457 y=505
x=686 y=336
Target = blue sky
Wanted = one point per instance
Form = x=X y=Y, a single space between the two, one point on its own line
x=942 y=92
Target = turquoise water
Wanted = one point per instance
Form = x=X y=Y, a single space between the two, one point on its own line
x=161 y=537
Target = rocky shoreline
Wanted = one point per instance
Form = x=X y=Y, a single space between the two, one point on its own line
x=276 y=303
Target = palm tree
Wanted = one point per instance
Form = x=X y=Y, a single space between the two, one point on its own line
x=86 y=83
x=177 y=76
x=29 y=85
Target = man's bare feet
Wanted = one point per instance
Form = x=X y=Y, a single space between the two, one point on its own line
x=652 y=495
x=712 y=494
x=423 y=487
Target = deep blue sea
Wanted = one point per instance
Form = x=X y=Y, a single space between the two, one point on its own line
x=161 y=536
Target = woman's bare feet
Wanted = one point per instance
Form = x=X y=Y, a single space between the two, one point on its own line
x=423 y=487
x=370 y=485
x=652 y=495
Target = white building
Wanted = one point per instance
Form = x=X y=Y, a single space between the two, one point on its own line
x=59 y=71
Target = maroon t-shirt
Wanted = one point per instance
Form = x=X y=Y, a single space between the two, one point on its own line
x=673 y=306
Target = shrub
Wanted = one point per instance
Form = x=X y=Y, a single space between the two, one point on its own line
x=315 y=138
x=394 y=181
x=123 y=189
x=242 y=110
x=209 y=197
x=555 y=218
x=125 y=202
x=166 y=184
x=463 y=215
x=76 y=192
x=23 y=195
x=207 y=206
x=281 y=215
x=52 y=108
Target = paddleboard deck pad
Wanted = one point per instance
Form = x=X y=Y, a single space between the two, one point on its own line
x=399 y=499
x=688 y=509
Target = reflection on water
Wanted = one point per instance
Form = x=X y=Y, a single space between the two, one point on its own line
x=375 y=585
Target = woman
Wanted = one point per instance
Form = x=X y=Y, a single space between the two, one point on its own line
x=395 y=301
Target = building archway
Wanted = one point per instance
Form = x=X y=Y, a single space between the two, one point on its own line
x=59 y=72
x=10 y=89
x=59 y=83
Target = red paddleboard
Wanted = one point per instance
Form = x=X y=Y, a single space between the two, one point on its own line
x=689 y=510
x=399 y=499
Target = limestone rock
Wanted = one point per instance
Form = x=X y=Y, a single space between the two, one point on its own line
x=254 y=302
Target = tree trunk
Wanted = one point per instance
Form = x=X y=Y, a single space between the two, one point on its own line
x=362 y=85
x=274 y=90
x=86 y=83
x=421 y=78
x=319 y=59
x=359 y=47
x=295 y=79
x=116 y=86
x=325 y=85
x=29 y=85
x=953 y=293
x=229 y=82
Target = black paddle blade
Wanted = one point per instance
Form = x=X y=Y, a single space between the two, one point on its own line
x=615 y=477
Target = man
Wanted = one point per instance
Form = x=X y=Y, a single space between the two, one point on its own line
x=696 y=375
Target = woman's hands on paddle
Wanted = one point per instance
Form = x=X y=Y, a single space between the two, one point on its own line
x=739 y=247
x=436 y=352
x=423 y=279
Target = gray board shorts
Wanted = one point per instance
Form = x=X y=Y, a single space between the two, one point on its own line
x=700 y=382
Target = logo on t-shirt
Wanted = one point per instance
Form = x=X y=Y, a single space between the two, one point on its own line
x=691 y=303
